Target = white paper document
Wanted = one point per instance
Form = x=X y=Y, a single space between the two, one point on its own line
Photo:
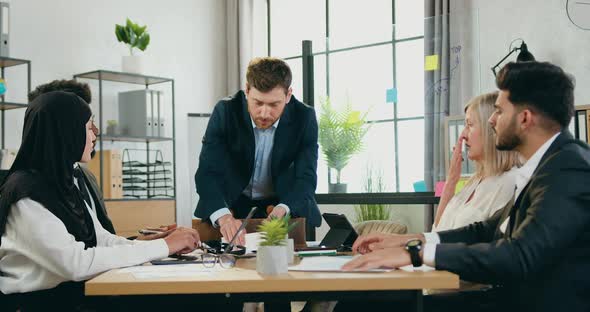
x=423 y=268
x=176 y=270
x=252 y=241
x=327 y=264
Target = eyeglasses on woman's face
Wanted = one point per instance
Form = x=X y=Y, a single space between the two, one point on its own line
x=93 y=126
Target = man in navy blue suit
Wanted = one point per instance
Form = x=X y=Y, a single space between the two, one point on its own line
x=260 y=149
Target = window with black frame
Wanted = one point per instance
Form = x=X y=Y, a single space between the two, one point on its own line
x=368 y=87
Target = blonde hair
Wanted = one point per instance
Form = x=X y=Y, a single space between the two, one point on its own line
x=494 y=162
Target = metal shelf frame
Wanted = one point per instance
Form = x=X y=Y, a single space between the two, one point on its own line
x=131 y=78
x=4 y=63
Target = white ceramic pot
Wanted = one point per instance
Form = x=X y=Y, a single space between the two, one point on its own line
x=271 y=260
x=290 y=244
x=132 y=64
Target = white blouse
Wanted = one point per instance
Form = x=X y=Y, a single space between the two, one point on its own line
x=489 y=195
x=37 y=252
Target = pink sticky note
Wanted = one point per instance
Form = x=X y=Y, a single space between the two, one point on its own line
x=438 y=188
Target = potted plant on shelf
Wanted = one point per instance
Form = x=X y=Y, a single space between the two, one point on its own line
x=341 y=134
x=378 y=217
x=135 y=37
x=111 y=127
x=367 y=212
x=271 y=256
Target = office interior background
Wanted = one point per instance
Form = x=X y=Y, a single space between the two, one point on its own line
x=370 y=54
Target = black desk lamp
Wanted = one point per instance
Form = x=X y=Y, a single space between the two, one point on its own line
x=523 y=56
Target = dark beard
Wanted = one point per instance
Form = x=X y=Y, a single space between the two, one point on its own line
x=509 y=141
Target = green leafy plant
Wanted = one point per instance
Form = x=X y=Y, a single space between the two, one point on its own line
x=133 y=35
x=275 y=230
x=341 y=134
x=373 y=184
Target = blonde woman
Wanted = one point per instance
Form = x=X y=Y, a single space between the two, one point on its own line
x=492 y=185
x=489 y=189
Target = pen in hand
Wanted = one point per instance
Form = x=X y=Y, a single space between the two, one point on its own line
x=230 y=245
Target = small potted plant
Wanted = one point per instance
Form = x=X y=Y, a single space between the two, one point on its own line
x=373 y=184
x=271 y=257
x=111 y=127
x=135 y=37
x=341 y=134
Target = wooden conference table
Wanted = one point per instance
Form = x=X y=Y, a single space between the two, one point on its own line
x=244 y=284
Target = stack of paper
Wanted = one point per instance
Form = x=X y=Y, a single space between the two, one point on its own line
x=167 y=271
x=423 y=268
x=326 y=264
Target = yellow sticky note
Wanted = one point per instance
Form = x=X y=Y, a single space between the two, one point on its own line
x=460 y=185
x=431 y=62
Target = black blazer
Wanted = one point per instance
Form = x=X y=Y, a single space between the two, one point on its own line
x=101 y=211
x=543 y=259
x=226 y=163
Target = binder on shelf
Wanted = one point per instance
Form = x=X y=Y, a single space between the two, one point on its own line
x=572 y=126
x=7 y=157
x=582 y=125
x=112 y=172
x=161 y=127
x=149 y=127
x=587 y=127
x=158 y=129
x=4 y=29
x=139 y=113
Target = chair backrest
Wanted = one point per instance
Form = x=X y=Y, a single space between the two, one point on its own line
x=3 y=174
x=380 y=226
x=8 y=302
x=208 y=232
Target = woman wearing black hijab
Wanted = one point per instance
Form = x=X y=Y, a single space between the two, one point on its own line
x=49 y=239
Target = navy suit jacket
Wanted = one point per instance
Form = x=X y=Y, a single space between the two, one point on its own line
x=543 y=258
x=226 y=163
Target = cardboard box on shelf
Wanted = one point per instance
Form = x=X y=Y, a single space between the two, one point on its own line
x=112 y=172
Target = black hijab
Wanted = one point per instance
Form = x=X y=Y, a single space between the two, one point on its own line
x=54 y=138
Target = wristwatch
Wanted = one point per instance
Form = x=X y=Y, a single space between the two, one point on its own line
x=413 y=246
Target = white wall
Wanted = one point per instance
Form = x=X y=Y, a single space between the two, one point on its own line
x=65 y=37
x=546 y=29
